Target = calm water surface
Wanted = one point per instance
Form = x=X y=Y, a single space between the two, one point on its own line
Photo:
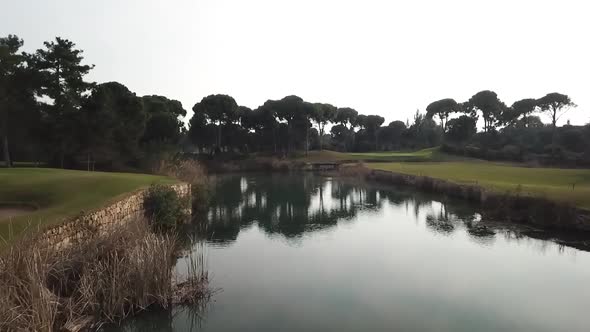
x=306 y=253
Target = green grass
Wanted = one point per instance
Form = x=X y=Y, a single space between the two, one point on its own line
x=60 y=194
x=431 y=154
x=552 y=183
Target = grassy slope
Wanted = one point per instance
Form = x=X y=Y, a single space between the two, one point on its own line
x=63 y=193
x=432 y=154
x=552 y=183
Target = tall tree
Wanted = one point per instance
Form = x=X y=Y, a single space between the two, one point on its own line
x=443 y=109
x=346 y=116
x=60 y=64
x=304 y=116
x=287 y=109
x=373 y=123
x=219 y=109
x=556 y=104
x=244 y=115
x=522 y=109
x=12 y=66
x=201 y=133
x=390 y=135
x=267 y=118
x=461 y=128
x=114 y=122
x=164 y=123
x=323 y=114
x=489 y=105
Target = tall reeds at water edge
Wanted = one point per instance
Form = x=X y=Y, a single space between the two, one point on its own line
x=105 y=279
x=192 y=172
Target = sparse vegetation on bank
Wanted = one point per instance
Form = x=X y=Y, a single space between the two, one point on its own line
x=192 y=172
x=163 y=207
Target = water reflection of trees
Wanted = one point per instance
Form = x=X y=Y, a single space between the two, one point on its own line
x=452 y=217
x=292 y=205
x=282 y=204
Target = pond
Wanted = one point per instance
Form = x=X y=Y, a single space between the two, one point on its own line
x=310 y=253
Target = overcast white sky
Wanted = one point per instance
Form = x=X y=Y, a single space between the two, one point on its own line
x=379 y=57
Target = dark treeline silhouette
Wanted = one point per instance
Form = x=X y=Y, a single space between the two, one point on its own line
x=513 y=132
x=50 y=113
x=292 y=124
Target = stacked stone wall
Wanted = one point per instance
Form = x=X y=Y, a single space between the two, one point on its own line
x=106 y=219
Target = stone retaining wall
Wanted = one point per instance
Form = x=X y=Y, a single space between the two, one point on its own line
x=105 y=219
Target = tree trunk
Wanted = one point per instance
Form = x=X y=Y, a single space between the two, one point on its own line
x=289 y=138
x=306 y=140
x=554 y=132
x=353 y=138
x=376 y=141
x=321 y=136
x=219 y=136
x=274 y=139
x=7 y=160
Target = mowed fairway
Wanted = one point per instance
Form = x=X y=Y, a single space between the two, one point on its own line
x=58 y=194
x=431 y=154
x=565 y=185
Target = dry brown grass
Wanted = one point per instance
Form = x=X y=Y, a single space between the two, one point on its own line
x=190 y=171
x=102 y=280
x=359 y=170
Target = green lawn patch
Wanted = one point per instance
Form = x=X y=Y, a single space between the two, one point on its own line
x=564 y=185
x=57 y=194
x=425 y=155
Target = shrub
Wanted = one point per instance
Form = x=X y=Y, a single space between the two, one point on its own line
x=190 y=171
x=280 y=165
x=511 y=152
x=163 y=206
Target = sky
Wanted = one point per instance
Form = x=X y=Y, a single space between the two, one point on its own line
x=389 y=58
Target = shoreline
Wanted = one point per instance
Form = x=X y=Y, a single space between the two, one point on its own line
x=507 y=206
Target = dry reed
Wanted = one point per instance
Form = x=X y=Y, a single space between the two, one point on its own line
x=105 y=279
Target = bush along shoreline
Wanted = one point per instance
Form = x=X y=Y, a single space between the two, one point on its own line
x=507 y=206
x=102 y=279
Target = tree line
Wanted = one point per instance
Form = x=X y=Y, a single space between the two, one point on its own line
x=513 y=132
x=49 y=112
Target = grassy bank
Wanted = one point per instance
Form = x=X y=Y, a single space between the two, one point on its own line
x=57 y=194
x=563 y=185
x=425 y=155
